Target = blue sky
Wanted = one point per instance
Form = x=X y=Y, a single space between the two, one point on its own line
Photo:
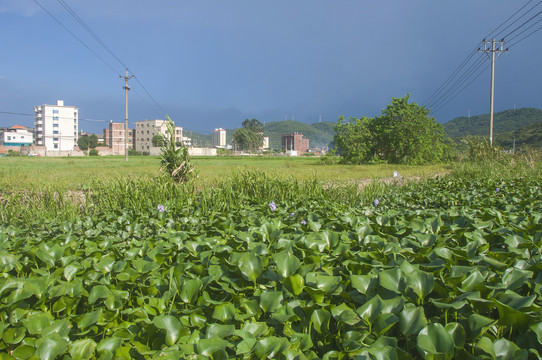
x=214 y=63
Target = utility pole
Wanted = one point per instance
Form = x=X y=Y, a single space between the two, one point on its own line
x=495 y=47
x=126 y=89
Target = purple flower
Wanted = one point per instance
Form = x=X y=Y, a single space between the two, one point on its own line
x=292 y=214
x=497 y=189
x=303 y=222
x=160 y=208
x=376 y=202
x=272 y=206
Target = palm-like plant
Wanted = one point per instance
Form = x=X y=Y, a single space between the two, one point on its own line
x=175 y=159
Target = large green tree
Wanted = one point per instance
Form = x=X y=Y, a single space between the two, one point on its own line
x=354 y=139
x=249 y=137
x=404 y=133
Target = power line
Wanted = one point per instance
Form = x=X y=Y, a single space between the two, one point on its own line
x=101 y=42
x=75 y=36
x=460 y=81
x=524 y=30
x=514 y=14
x=519 y=27
x=525 y=37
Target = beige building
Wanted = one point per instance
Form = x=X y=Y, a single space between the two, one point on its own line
x=56 y=126
x=145 y=130
x=114 y=138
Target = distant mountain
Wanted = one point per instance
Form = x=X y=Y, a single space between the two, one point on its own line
x=524 y=124
x=319 y=134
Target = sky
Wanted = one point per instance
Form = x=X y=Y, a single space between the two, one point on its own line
x=214 y=63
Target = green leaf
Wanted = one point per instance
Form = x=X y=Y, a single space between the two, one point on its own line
x=434 y=342
x=14 y=335
x=421 y=283
x=82 y=349
x=392 y=280
x=144 y=266
x=224 y=312
x=270 y=347
x=98 y=292
x=515 y=278
x=251 y=266
x=189 y=290
x=294 y=284
x=412 y=320
x=320 y=320
x=50 y=347
x=89 y=319
x=36 y=324
x=363 y=283
x=270 y=300
x=371 y=309
x=287 y=264
x=478 y=324
x=109 y=345
x=457 y=332
x=208 y=347
x=171 y=325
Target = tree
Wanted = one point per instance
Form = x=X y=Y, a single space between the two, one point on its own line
x=157 y=140
x=87 y=142
x=404 y=133
x=354 y=139
x=250 y=136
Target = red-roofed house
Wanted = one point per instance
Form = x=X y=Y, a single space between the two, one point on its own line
x=16 y=136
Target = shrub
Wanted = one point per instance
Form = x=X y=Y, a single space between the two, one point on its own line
x=93 y=152
x=175 y=160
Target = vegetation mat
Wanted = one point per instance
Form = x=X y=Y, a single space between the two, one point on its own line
x=446 y=268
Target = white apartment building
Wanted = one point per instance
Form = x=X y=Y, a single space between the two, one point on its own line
x=16 y=136
x=56 y=126
x=219 y=138
x=145 y=130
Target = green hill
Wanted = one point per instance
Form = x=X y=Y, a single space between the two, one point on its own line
x=525 y=125
x=319 y=134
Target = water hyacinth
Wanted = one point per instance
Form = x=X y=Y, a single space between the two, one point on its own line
x=303 y=222
x=272 y=206
x=497 y=189
x=292 y=214
x=376 y=202
x=160 y=208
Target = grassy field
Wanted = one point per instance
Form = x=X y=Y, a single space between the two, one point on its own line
x=72 y=173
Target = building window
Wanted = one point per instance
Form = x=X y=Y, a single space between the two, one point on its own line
x=56 y=146
x=75 y=127
x=55 y=132
x=55 y=125
x=55 y=139
x=55 y=111
x=55 y=118
x=9 y=137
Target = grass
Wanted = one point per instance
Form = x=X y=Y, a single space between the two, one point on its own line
x=75 y=173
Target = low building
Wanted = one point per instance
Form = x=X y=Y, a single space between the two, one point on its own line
x=16 y=136
x=295 y=143
x=145 y=130
x=114 y=138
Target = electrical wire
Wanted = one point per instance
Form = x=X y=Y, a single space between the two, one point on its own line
x=519 y=27
x=75 y=36
x=101 y=42
x=525 y=37
x=514 y=14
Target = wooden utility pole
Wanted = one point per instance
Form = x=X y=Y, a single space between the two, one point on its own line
x=495 y=47
x=126 y=89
